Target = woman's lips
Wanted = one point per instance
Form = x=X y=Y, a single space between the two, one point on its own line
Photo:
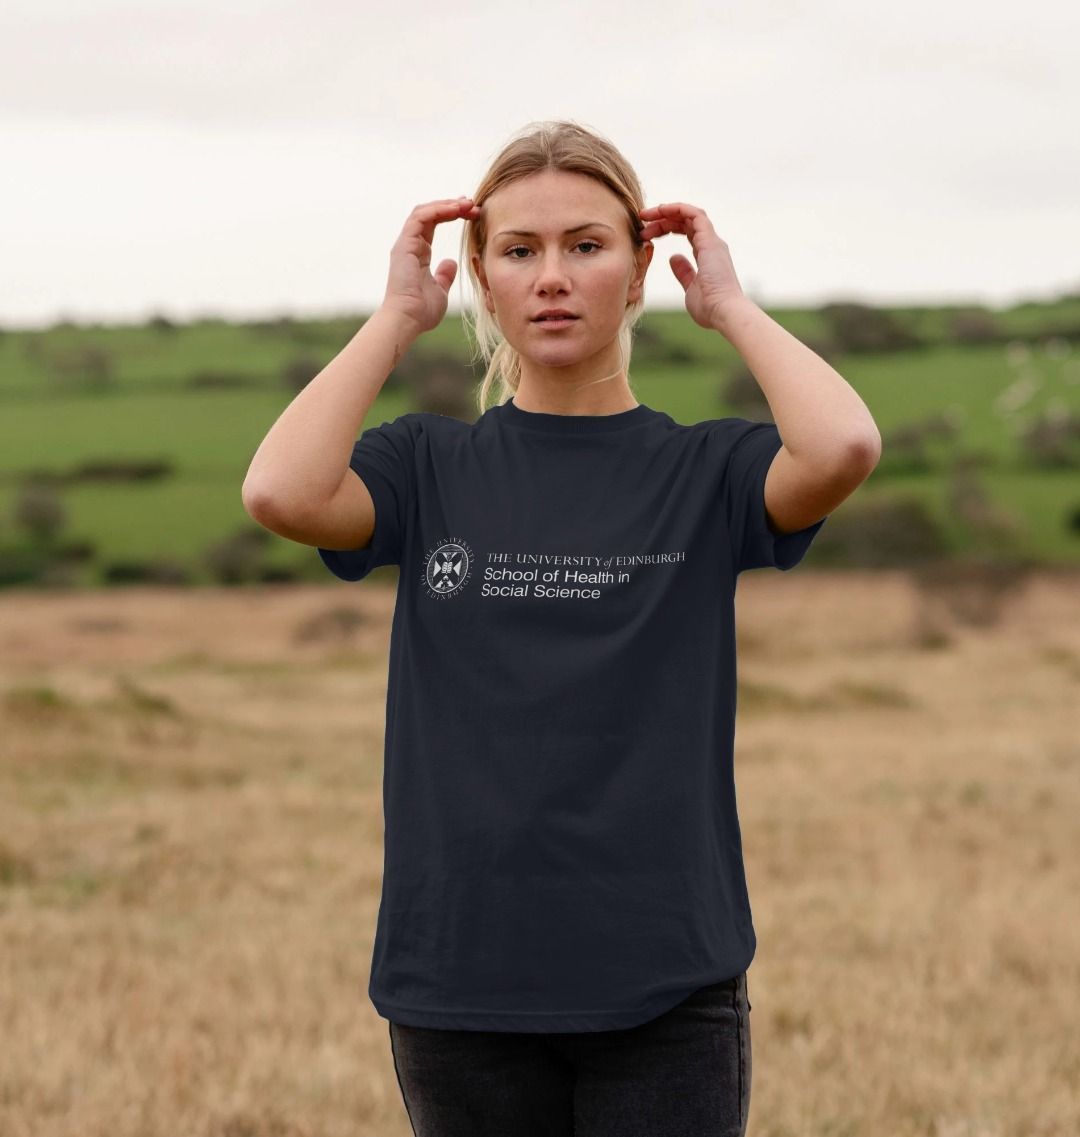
x=555 y=324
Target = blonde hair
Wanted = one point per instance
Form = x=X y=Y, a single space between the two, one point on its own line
x=551 y=145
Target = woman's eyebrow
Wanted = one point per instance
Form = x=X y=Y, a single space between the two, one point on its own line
x=576 y=229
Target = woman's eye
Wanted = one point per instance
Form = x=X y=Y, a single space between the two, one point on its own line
x=522 y=249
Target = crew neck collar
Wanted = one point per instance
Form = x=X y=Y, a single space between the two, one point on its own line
x=511 y=414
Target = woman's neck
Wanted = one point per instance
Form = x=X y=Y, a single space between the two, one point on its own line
x=569 y=391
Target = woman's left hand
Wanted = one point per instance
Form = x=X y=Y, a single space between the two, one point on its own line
x=714 y=285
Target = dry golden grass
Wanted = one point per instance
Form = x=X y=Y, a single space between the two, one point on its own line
x=190 y=858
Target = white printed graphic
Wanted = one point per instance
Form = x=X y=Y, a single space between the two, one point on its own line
x=448 y=567
x=548 y=576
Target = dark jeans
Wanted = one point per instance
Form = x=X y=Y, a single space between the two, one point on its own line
x=683 y=1074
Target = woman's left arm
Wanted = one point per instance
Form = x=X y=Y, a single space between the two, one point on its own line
x=831 y=443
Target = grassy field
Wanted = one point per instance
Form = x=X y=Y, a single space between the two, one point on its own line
x=191 y=852
x=144 y=403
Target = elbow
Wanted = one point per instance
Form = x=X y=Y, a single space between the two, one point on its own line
x=864 y=453
x=256 y=502
x=851 y=464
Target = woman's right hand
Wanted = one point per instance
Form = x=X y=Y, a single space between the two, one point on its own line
x=411 y=288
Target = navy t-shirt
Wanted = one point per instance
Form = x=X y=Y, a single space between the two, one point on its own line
x=562 y=846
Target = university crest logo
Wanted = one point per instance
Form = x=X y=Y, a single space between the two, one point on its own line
x=448 y=568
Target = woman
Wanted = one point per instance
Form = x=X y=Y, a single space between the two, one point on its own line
x=564 y=930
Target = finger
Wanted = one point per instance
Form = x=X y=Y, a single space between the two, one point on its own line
x=671 y=209
x=423 y=219
x=445 y=273
x=652 y=229
x=663 y=225
x=698 y=231
x=683 y=270
x=677 y=216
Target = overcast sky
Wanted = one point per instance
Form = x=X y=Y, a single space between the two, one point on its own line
x=259 y=157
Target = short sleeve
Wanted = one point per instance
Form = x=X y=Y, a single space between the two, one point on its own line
x=754 y=544
x=384 y=458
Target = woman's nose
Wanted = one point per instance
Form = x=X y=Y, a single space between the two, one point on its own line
x=552 y=273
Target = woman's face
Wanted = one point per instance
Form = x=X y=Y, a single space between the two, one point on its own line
x=559 y=240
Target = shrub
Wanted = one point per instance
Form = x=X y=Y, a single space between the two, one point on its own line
x=862 y=328
x=300 y=371
x=973 y=326
x=89 y=365
x=987 y=525
x=22 y=564
x=970 y=590
x=884 y=532
x=907 y=448
x=743 y=394
x=122 y=470
x=442 y=384
x=339 y=622
x=277 y=574
x=159 y=570
x=224 y=380
x=1051 y=440
x=75 y=552
x=39 y=510
x=239 y=557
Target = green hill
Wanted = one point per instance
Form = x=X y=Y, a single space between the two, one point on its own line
x=123 y=448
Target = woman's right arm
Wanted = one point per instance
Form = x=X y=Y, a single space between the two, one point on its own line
x=299 y=483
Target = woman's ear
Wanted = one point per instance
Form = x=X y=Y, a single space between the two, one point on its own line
x=478 y=268
x=642 y=258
